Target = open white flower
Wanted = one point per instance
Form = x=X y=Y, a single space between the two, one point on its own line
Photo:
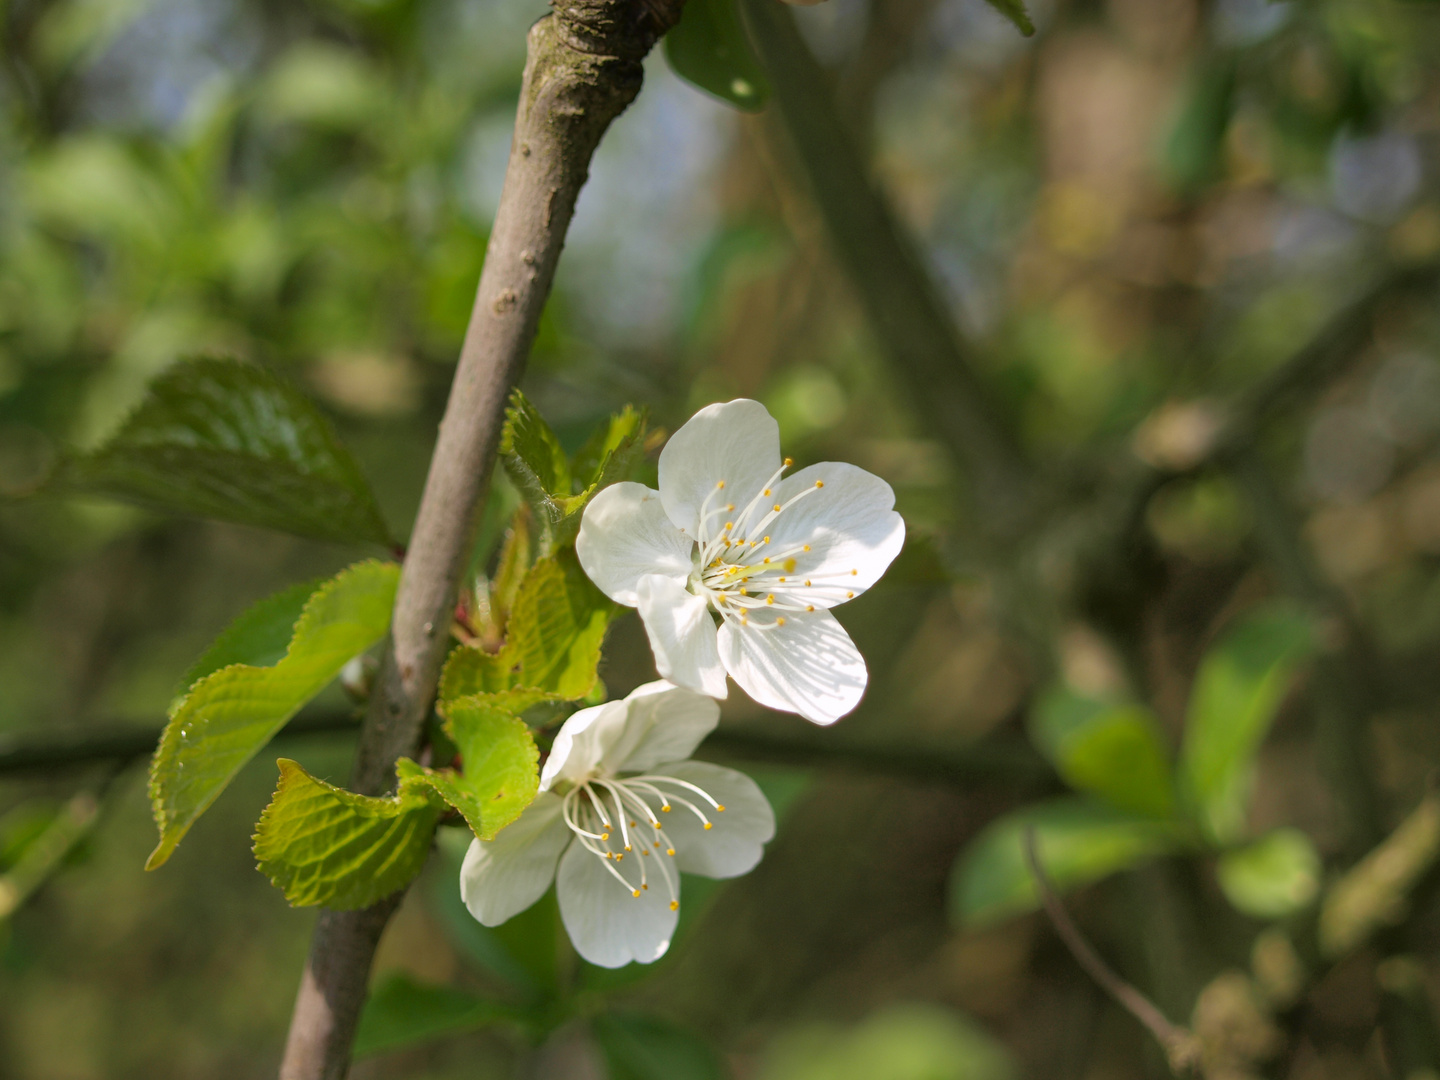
x=622 y=812
x=725 y=533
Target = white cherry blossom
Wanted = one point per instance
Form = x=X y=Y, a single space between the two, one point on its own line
x=729 y=534
x=620 y=813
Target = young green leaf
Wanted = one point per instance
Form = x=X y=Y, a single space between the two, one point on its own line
x=320 y=844
x=230 y=714
x=401 y=1012
x=557 y=626
x=1079 y=841
x=501 y=774
x=533 y=456
x=536 y=463
x=1238 y=690
x=475 y=671
x=1115 y=751
x=710 y=49
x=1275 y=876
x=1014 y=10
x=228 y=440
x=642 y=1047
x=259 y=637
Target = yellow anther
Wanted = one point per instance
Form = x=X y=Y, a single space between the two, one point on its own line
x=729 y=525
x=853 y=573
x=627 y=846
x=810 y=607
x=770 y=598
x=805 y=547
x=789 y=566
x=656 y=824
x=789 y=461
x=777 y=508
x=721 y=484
x=619 y=855
x=605 y=836
x=765 y=492
x=744 y=591
x=674 y=905
x=780 y=621
x=645 y=887
x=849 y=596
x=782 y=579
x=636 y=894
x=819 y=483
x=719 y=809
x=632 y=825
x=707 y=825
x=729 y=506
x=807 y=581
x=670 y=851
x=767 y=540
x=766 y=560
x=665 y=809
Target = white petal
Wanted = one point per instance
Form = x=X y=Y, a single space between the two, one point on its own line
x=737 y=442
x=666 y=723
x=850 y=525
x=808 y=666
x=608 y=924
x=682 y=635
x=504 y=876
x=624 y=535
x=582 y=742
x=739 y=833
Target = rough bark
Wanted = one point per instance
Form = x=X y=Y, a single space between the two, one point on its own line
x=583 y=69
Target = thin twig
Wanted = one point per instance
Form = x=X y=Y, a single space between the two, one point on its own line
x=1182 y=1048
x=997 y=758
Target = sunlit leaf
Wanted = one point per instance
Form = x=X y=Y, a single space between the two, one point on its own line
x=536 y=462
x=1275 y=876
x=401 y=1012
x=1115 y=751
x=475 y=671
x=1238 y=690
x=320 y=844
x=709 y=48
x=1079 y=841
x=259 y=637
x=557 y=627
x=230 y=714
x=228 y=440
x=642 y=1047
x=500 y=760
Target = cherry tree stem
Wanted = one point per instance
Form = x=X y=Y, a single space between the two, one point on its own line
x=583 y=69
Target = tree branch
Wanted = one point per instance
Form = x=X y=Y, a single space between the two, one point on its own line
x=996 y=758
x=583 y=68
x=906 y=310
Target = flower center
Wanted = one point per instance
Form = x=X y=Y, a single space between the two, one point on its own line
x=600 y=807
x=745 y=579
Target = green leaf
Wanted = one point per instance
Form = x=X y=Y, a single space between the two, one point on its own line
x=516 y=556
x=259 y=637
x=1275 y=876
x=227 y=440
x=709 y=48
x=1194 y=149
x=230 y=714
x=641 y=1047
x=1079 y=841
x=1238 y=690
x=1014 y=10
x=613 y=450
x=537 y=464
x=557 y=626
x=321 y=844
x=1115 y=751
x=501 y=762
x=533 y=455
x=401 y=1012
x=475 y=671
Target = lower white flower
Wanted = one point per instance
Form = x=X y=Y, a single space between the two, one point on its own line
x=728 y=535
x=621 y=812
